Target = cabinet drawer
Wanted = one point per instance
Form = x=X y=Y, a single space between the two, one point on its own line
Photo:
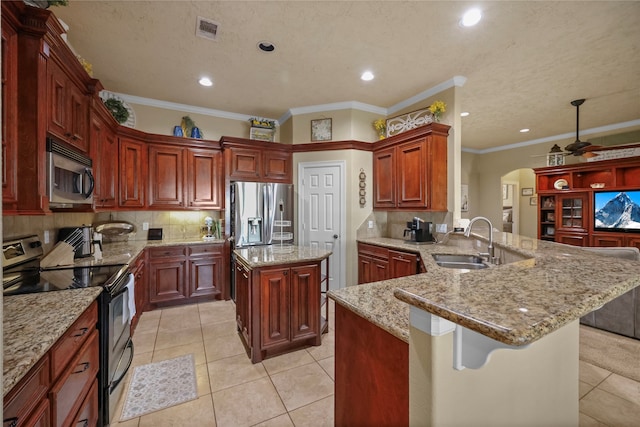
x=205 y=249
x=69 y=392
x=88 y=414
x=168 y=252
x=373 y=251
x=67 y=346
x=23 y=398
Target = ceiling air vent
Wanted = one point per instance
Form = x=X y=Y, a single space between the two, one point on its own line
x=207 y=28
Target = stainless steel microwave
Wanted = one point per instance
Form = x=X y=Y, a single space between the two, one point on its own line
x=70 y=180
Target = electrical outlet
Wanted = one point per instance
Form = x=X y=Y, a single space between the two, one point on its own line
x=441 y=228
x=46 y=237
x=145 y=225
x=370 y=225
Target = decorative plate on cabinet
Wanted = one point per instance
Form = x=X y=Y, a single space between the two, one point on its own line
x=561 y=184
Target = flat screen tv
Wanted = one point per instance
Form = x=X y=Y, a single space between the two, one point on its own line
x=617 y=211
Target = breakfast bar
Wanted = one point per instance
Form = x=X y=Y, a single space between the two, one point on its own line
x=527 y=308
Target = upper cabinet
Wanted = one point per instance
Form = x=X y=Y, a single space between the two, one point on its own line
x=104 y=151
x=133 y=173
x=204 y=178
x=67 y=108
x=410 y=170
x=250 y=160
x=9 y=105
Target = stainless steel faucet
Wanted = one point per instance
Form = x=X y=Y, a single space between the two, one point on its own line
x=491 y=255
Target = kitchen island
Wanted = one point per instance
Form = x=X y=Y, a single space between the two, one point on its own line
x=278 y=298
x=453 y=319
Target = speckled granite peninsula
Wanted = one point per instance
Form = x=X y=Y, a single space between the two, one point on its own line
x=542 y=287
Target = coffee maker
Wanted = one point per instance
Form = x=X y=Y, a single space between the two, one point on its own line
x=419 y=230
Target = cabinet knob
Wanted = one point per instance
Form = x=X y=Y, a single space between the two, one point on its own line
x=84 y=367
x=82 y=332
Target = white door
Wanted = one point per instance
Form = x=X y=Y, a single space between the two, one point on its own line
x=321 y=213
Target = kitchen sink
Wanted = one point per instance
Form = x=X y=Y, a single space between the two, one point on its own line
x=468 y=262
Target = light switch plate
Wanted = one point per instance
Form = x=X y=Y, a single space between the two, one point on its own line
x=145 y=225
x=370 y=225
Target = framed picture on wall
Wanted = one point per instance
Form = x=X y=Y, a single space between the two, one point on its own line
x=533 y=201
x=527 y=191
x=321 y=130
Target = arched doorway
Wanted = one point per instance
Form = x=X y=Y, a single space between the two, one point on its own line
x=519 y=210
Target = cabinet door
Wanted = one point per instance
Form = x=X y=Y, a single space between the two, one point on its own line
x=105 y=159
x=243 y=301
x=132 y=173
x=205 y=276
x=274 y=307
x=24 y=399
x=411 y=175
x=402 y=264
x=78 y=112
x=632 y=241
x=140 y=294
x=277 y=166
x=380 y=270
x=572 y=210
x=610 y=240
x=166 y=179
x=57 y=82
x=365 y=267
x=244 y=163
x=305 y=302
x=384 y=189
x=9 y=107
x=205 y=177
x=167 y=280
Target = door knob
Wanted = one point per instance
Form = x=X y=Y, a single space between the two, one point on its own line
x=335 y=236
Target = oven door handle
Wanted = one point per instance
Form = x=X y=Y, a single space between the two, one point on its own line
x=115 y=383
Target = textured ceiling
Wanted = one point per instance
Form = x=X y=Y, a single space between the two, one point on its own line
x=524 y=62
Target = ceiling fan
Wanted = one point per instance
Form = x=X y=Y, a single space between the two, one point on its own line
x=580 y=148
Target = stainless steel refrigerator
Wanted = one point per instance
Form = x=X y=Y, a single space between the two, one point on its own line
x=261 y=213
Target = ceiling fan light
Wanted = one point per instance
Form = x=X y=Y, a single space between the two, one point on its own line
x=589 y=154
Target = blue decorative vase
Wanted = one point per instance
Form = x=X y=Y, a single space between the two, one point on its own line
x=177 y=131
x=195 y=133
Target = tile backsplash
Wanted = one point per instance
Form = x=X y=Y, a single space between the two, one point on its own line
x=175 y=224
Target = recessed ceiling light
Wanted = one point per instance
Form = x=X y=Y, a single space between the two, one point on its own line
x=266 y=46
x=525 y=130
x=205 y=81
x=464 y=114
x=367 y=75
x=471 y=18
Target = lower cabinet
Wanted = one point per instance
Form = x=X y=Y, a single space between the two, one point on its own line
x=184 y=274
x=377 y=263
x=141 y=297
x=278 y=308
x=62 y=388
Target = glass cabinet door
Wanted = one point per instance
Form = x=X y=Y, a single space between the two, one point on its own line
x=571 y=211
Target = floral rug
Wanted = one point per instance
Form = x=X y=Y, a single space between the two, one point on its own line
x=160 y=385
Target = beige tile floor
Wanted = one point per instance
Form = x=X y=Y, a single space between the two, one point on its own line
x=296 y=389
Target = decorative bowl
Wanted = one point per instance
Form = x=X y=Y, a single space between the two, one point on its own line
x=597 y=185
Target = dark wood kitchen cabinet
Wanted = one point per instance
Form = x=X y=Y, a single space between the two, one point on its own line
x=278 y=307
x=9 y=113
x=410 y=170
x=68 y=108
x=139 y=271
x=250 y=160
x=104 y=151
x=133 y=173
x=184 y=177
x=376 y=263
x=185 y=273
x=61 y=389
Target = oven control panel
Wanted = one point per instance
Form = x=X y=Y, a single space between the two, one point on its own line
x=20 y=250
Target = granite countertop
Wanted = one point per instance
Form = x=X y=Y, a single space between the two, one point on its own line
x=262 y=256
x=547 y=286
x=32 y=323
x=126 y=252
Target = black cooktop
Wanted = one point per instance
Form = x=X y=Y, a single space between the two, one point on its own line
x=32 y=279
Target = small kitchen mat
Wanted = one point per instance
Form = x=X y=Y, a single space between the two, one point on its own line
x=160 y=385
x=610 y=351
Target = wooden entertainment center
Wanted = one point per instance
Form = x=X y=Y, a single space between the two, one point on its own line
x=565 y=209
